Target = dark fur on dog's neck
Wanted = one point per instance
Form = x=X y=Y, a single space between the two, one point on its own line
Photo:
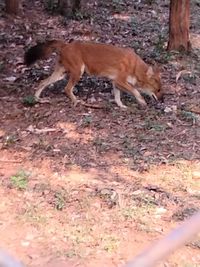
x=36 y=52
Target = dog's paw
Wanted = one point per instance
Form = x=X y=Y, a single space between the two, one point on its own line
x=123 y=107
x=143 y=105
x=77 y=102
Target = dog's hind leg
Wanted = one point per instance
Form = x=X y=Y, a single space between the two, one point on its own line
x=58 y=74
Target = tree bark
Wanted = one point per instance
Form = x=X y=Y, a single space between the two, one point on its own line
x=69 y=6
x=12 y=6
x=76 y=5
x=179 y=23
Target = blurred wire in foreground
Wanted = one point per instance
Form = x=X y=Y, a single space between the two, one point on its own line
x=149 y=257
x=8 y=261
x=164 y=247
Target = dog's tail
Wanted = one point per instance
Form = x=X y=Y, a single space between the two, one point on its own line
x=42 y=51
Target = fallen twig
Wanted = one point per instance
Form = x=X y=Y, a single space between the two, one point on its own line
x=31 y=129
x=181 y=73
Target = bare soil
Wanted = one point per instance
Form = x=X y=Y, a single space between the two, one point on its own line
x=95 y=186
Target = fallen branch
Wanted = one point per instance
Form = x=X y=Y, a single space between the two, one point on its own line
x=92 y=106
x=10 y=161
x=46 y=100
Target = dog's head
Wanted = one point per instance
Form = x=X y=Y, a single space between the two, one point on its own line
x=153 y=86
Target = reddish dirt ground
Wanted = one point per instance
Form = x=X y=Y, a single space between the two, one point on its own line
x=95 y=186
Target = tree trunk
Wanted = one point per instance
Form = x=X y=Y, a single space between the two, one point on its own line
x=179 y=23
x=76 y=5
x=12 y=6
x=69 y=6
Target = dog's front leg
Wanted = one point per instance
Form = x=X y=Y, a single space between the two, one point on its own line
x=58 y=74
x=122 y=84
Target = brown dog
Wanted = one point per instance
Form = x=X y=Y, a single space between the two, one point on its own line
x=123 y=66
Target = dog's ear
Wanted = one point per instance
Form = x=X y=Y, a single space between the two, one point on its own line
x=150 y=72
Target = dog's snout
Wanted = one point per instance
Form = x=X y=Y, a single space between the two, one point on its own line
x=162 y=98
